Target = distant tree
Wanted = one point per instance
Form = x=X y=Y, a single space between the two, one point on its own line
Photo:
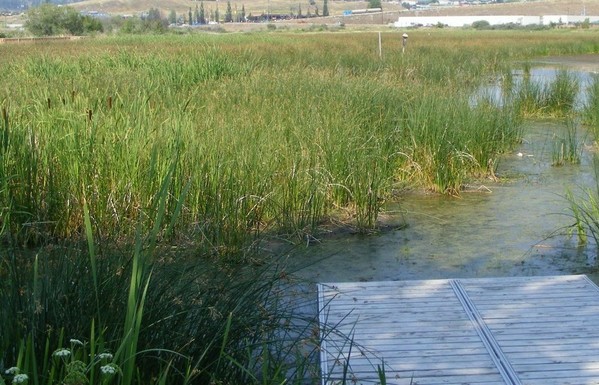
x=299 y=10
x=190 y=17
x=154 y=14
x=242 y=12
x=229 y=13
x=92 y=24
x=325 y=8
x=49 y=19
x=172 y=17
x=131 y=25
x=481 y=24
x=374 y=4
x=202 y=14
x=196 y=15
x=586 y=24
x=153 y=22
x=217 y=15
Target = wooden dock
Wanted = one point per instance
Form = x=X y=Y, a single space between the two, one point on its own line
x=524 y=330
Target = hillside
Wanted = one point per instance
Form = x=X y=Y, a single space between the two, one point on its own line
x=256 y=7
x=392 y=9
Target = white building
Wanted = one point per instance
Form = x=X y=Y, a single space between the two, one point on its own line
x=460 y=21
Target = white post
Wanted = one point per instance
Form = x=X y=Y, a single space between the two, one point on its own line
x=404 y=42
x=380 y=47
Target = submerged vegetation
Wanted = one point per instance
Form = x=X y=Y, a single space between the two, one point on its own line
x=141 y=176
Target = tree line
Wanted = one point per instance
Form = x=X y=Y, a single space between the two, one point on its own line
x=49 y=19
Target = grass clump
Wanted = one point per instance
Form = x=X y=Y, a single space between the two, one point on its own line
x=591 y=108
x=568 y=147
x=556 y=98
x=585 y=210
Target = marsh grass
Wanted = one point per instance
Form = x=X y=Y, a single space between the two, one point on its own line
x=268 y=135
x=584 y=208
x=256 y=150
x=451 y=140
x=591 y=108
x=540 y=98
x=199 y=323
x=164 y=316
x=567 y=148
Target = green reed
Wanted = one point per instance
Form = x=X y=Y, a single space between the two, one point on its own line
x=161 y=316
x=555 y=98
x=591 y=108
x=567 y=148
x=584 y=209
x=205 y=323
x=270 y=134
x=448 y=140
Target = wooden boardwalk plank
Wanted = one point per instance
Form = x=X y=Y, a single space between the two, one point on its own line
x=553 y=319
x=399 y=322
x=429 y=332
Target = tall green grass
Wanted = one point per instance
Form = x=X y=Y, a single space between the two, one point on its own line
x=567 y=148
x=584 y=208
x=199 y=323
x=555 y=98
x=160 y=316
x=268 y=136
x=591 y=108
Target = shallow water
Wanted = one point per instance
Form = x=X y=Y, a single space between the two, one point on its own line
x=509 y=228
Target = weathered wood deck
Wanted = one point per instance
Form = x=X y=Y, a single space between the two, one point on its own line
x=525 y=330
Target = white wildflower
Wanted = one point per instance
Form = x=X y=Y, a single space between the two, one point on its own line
x=76 y=342
x=105 y=356
x=108 y=369
x=13 y=370
x=62 y=353
x=20 y=379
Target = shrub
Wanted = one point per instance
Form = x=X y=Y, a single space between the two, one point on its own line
x=49 y=19
x=481 y=24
